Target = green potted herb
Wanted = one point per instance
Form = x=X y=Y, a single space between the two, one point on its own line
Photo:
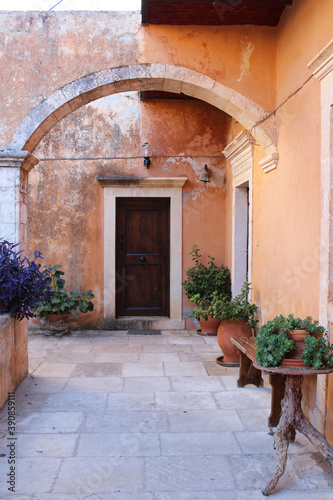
x=237 y=320
x=201 y=283
x=55 y=311
x=294 y=342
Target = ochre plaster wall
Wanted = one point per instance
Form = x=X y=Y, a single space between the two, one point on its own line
x=66 y=201
x=286 y=230
x=41 y=52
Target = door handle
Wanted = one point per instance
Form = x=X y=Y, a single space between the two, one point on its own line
x=143 y=261
x=122 y=242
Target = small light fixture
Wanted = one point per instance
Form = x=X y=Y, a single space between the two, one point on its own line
x=204 y=177
x=146 y=160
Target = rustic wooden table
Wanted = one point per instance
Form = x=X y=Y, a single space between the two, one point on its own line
x=292 y=418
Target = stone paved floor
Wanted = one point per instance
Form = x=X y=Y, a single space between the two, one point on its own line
x=104 y=415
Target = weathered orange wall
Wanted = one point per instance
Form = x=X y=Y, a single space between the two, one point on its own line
x=286 y=232
x=287 y=201
x=65 y=203
x=240 y=57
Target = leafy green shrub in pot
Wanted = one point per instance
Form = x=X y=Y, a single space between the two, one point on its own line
x=318 y=353
x=237 y=309
x=60 y=301
x=204 y=281
x=274 y=342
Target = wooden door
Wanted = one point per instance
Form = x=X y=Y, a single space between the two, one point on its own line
x=142 y=256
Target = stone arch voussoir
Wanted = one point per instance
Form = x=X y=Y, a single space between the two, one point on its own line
x=138 y=77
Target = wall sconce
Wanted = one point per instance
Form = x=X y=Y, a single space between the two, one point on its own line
x=146 y=160
x=204 y=177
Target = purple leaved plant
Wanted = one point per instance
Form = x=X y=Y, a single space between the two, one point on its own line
x=22 y=283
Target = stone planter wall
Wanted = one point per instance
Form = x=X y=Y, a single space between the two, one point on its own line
x=13 y=355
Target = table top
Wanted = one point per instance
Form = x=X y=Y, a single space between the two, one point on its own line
x=286 y=370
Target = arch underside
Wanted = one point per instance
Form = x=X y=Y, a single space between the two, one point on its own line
x=144 y=77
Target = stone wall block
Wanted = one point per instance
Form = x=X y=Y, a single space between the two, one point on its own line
x=25 y=130
x=105 y=90
x=202 y=94
x=140 y=84
x=7 y=357
x=6 y=194
x=47 y=107
x=63 y=111
x=157 y=84
x=172 y=86
x=80 y=86
x=141 y=71
x=19 y=139
x=205 y=82
x=269 y=128
x=112 y=75
x=216 y=101
x=188 y=89
x=157 y=70
x=190 y=76
x=175 y=73
x=8 y=212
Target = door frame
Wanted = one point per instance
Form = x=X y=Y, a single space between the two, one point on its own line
x=128 y=261
x=150 y=187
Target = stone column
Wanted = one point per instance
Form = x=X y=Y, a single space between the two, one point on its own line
x=15 y=166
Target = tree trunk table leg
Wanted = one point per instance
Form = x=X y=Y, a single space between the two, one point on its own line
x=291 y=406
x=315 y=437
x=277 y=383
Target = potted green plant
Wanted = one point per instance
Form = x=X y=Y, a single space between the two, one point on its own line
x=237 y=320
x=55 y=311
x=201 y=283
x=294 y=342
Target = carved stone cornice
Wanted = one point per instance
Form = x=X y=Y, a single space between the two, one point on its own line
x=322 y=64
x=156 y=182
x=17 y=159
x=240 y=153
x=269 y=162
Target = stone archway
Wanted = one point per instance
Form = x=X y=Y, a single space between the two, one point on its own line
x=146 y=77
x=70 y=97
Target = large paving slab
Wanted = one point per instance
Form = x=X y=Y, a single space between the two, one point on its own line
x=105 y=415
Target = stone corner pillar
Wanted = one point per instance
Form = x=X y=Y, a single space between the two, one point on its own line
x=15 y=166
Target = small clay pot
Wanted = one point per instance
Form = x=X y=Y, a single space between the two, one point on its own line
x=294 y=358
x=57 y=324
x=209 y=326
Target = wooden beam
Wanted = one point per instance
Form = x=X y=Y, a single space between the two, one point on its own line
x=144 y=11
x=235 y=3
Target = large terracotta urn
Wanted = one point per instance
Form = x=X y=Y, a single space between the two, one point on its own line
x=209 y=326
x=226 y=330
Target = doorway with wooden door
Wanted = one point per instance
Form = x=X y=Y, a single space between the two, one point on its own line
x=142 y=257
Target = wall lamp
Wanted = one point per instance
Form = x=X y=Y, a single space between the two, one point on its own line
x=146 y=158
x=204 y=177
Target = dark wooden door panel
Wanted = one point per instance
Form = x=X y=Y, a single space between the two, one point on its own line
x=142 y=256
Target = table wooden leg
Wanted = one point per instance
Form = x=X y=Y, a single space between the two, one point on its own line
x=277 y=383
x=315 y=437
x=291 y=404
x=247 y=373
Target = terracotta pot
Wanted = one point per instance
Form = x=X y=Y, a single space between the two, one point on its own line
x=226 y=330
x=294 y=358
x=57 y=324
x=209 y=326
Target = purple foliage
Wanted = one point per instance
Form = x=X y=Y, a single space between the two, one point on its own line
x=22 y=284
